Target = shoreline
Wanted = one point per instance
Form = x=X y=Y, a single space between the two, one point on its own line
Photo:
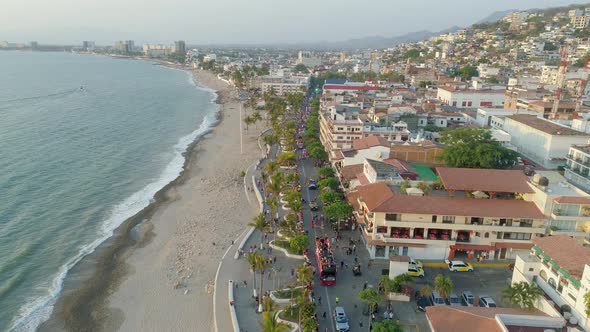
x=85 y=301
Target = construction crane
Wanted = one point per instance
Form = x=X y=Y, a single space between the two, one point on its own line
x=560 y=81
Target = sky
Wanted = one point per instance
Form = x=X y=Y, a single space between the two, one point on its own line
x=239 y=21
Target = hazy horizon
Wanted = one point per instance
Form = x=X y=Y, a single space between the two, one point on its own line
x=237 y=22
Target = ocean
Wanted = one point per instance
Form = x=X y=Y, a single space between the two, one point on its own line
x=85 y=143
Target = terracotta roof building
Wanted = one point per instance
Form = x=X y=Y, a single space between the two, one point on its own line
x=475 y=319
x=486 y=180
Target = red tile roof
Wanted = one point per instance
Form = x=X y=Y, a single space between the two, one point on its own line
x=350 y=87
x=369 y=142
x=567 y=252
x=572 y=199
x=489 y=180
x=470 y=319
x=349 y=172
x=374 y=194
x=458 y=206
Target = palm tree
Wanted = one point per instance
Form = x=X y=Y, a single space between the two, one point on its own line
x=587 y=304
x=248 y=120
x=253 y=259
x=305 y=275
x=443 y=285
x=260 y=224
x=426 y=291
x=268 y=304
x=270 y=323
x=523 y=294
x=256 y=116
x=271 y=167
x=261 y=265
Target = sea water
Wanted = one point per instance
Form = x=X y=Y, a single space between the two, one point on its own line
x=85 y=143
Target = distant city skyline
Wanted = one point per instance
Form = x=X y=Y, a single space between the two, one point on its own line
x=236 y=21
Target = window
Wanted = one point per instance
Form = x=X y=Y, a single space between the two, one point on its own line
x=464 y=104
x=469 y=103
x=448 y=219
x=486 y=235
x=382 y=229
x=393 y=217
x=543 y=275
x=526 y=222
x=516 y=236
x=572 y=297
x=531 y=269
x=434 y=219
x=340 y=128
x=454 y=103
x=379 y=251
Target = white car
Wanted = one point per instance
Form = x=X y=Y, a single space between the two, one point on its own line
x=460 y=266
x=454 y=300
x=341 y=320
x=486 y=301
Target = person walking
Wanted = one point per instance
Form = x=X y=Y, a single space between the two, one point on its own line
x=324 y=315
x=320 y=301
x=337 y=300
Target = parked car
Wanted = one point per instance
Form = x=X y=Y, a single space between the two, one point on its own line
x=436 y=299
x=341 y=319
x=313 y=206
x=415 y=263
x=486 y=301
x=467 y=298
x=460 y=266
x=414 y=271
x=454 y=300
x=312 y=186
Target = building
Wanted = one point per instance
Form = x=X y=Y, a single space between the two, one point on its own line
x=372 y=147
x=484 y=115
x=560 y=266
x=282 y=86
x=464 y=98
x=546 y=143
x=124 y=46
x=156 y=50
x=577 y=167
x=179 y=47
x=308 y=59
x=549 y=75
x=479 y=319
x=34 y=45
x=449 y=224
x=579 y=22
x=424 y=152
x=88 y=46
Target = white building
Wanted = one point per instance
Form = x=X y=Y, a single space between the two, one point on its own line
x=282 y=86
x=484 y=115
x=473 y=98
x=308 y=59
x=545 y=142
x=577 y=168
x=560 y=266
x=486 y=70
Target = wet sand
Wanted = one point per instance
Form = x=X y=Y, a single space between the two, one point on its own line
x=157 y=272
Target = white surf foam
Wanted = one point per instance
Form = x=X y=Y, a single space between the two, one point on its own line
x=35 y=312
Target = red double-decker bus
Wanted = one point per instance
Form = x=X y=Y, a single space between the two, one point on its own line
x=326 y=263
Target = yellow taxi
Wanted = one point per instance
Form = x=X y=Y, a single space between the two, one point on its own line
x=414 y=271
x=460 y=266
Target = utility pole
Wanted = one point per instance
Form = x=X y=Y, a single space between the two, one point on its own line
x=561 y=72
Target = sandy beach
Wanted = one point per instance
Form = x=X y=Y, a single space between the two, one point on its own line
x=164 y=281
x=171 y=285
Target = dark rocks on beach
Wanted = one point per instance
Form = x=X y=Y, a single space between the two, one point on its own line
x=139 y=232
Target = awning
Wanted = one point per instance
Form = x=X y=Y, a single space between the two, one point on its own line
x=501 y=245
x=472 y=247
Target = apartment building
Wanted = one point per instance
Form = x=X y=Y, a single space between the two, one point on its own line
x=471 y=98
x=282 y=86
x=577 y=167
x=546 y=143
x=449 y=224
x=341 y=125
x=560 y=266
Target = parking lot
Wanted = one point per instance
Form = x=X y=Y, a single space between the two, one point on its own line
x=482 y=281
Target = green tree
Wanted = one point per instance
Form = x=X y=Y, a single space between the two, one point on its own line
x=338 y=210
x=273 y=204
x=475 y=148
x=260 y=224
x=387 y=326
x=329 y=197
x=299 y=243
x=300 y=68
x=523 y=294
x=370 y=297
x=271 y=167
x=270 y=323
x=287 y=159
x=443 y=285
x=467 y=72
x=412 y=54
x=587 y=304
x=253 y=259
x=331 y=183
x=326 y=172
x=268 y=304
x=248 y=120
x=261 y=265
